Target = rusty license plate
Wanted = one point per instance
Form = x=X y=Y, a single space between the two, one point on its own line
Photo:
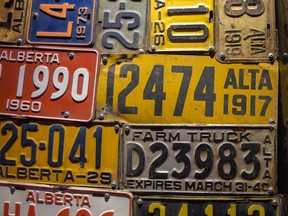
x=33 y=200
x=240 y=37
x=12 y=21
x=190 y=159
x=51 y=83
x=186 y=89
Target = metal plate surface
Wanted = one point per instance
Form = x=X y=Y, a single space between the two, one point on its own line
x=240 y=37
x=12 y=20
x=194 y=159
x=58 y=154
x=282 y=15
x=51 y=83
x=181 y=25
x=207 y=206
x=186 y=89
x=121 y=26
x=42 y=200
x=66 y=22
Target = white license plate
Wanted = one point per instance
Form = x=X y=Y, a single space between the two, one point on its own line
x=181 y=158
x=121 y=26
x=35 y=200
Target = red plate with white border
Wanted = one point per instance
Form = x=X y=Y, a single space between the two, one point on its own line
x=48 y=82
x=35 y=200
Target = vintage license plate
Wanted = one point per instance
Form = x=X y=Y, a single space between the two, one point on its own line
x=190 y=159
x=186 y=89
x=282 y=16
x=58 y=154
x=12 y=21
x=181 y=25
x=208 y=206
x=35 y=200
x=240 y=37
x=121 y=26
x=51 y=83
x=64 y=23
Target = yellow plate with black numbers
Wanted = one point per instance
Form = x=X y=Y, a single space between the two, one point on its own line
x=181 y=25
x=207 y=206
x=58 y=154
x=245 y=31
x=186 y=89
x=12 y=20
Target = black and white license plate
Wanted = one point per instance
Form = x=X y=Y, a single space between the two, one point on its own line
x=210 y=159
x=211 y=206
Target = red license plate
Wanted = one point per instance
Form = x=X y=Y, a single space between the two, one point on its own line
x=51 y=83
x=36 y=200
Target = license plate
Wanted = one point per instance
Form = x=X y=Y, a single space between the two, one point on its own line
x=121 y=26
x=181 y=25
x=12 y=21
x=58 y=154
x=208 y=206
x=66 y=22
x=186 y=89
x=282 y=16
x=240 y=37
x=51 y=83
x=33 y=200
x=190 y=159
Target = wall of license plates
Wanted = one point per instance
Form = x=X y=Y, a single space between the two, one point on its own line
x=143 y=107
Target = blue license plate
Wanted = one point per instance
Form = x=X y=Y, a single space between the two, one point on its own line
x=67 y=22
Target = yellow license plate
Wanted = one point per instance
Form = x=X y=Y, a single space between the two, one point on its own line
x=245 y=31
x=208 y=206
x=181 y=25
x=12 y=20
x=58 y=154
x=186 y=89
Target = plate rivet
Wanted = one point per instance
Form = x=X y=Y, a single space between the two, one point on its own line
x=101 y=116
x=19 y=41
x=71 y=55
x=35 y=15
x=106 y=197
x=116 y=128
x=114 y=185
x=211 y=49
x=127 y=130
x=271 y=121
x=271 y=56
x=285 y=56
x=141 y=51
x=104 y=60
x=12 y=190
x=274 y=204
x=222 y=56
x=66 y=114
x=271 y=190
x=153 y=48
x=139 y=202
